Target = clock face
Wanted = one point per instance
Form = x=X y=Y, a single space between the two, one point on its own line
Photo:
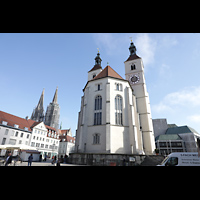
x=134 y=79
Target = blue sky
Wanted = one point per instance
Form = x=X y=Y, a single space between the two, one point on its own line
x=30 y=62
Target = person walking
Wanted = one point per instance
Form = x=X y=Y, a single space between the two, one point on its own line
x=30 y=159
x=8 y=159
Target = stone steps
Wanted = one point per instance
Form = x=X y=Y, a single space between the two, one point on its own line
x=152 y=160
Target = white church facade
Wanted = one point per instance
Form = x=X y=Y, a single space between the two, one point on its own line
x=115 y=115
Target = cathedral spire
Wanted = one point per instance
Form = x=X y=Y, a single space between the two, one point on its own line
x=40 y=103
x=38 y=112
x=55 y=96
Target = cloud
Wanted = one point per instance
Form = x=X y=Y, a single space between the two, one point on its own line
x=113 y=43
x=146 y=47
x=164 y=69
x=161 y=107
x=184 y=99
x=189 y=96
x=118 y=43
x=167 y=41
x=194 y=118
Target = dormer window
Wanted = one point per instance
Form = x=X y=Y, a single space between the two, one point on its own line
x=4 y=123
x=25 y=128
x=16 y=126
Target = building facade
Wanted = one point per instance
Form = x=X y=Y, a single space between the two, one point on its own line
x=115 y=115
x=67 y=143
x=172 y=138
x=18 y=131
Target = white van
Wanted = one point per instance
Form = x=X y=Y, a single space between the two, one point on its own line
x=181 y=159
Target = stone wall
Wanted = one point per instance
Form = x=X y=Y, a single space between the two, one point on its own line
x=110 y=159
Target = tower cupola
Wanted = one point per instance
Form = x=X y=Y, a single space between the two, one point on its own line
x=98 y=59
x=132 y=48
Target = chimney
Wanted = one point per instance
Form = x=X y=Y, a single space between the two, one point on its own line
x=26 y=117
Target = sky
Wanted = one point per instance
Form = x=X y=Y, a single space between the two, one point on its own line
x=30 y=62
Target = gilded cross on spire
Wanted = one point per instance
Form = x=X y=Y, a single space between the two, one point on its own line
x=98 y=50
x=131 y=39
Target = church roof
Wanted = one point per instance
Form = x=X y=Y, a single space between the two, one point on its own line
x=108 y=72
x=132 y=57
x=96 y=67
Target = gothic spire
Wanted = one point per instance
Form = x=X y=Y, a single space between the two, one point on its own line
x=38 y=112
x=40 y=103
x=55 y=96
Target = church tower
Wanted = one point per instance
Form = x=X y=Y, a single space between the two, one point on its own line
x=38 y=112
x=53 y=112
x=134 y=72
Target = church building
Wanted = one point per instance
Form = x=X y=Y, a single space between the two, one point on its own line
x=52 y=116
x=115 y=115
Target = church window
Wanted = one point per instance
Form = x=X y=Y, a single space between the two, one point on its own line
x=94 y=75
x=98 y=103
x=133 y=67
x=118 y=110
x=98 y=110
x=96 y=138
x=99 y=87
x=117 y=87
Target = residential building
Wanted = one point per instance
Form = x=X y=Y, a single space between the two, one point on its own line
x=16 y=130
x=67 y=143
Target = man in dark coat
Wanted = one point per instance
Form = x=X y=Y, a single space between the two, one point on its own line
x=8 y=159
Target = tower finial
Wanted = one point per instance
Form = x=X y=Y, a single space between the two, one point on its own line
x=132 y=48
x=98 y=59
x=131 y=39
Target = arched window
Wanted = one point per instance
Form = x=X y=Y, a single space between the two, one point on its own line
x=118 y=110
x=133 y=67
x=98 y=103
x=96 y=138
x=98 y=110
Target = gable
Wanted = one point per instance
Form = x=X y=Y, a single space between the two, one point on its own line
x=39 y=125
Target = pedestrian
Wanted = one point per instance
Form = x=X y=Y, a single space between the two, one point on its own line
x=8 y=159
x=30 y=159
x=65 y=159
x=58 y=163
x=40 y=159
x=45 y=157
x=54 y=160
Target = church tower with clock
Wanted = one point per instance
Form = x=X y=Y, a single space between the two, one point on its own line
x=134 y=72
x=115 y=115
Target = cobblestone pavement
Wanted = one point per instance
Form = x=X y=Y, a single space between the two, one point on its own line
x=47 y=163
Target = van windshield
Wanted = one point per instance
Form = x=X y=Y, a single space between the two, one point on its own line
x=164 y=160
